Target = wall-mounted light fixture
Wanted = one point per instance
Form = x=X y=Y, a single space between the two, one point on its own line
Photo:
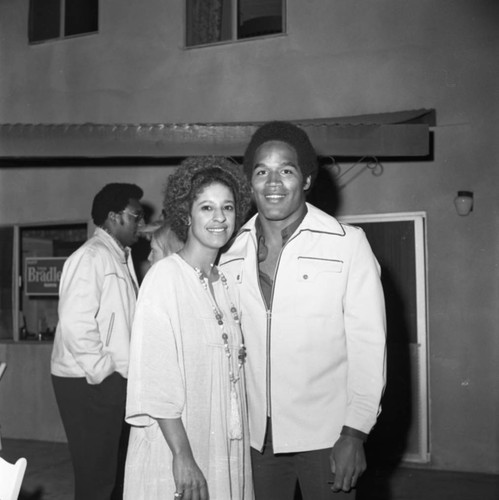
x=464 y=202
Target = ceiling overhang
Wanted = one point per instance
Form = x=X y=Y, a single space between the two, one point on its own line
x=404 y=133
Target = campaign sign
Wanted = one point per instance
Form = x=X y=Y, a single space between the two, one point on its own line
x=42 y=275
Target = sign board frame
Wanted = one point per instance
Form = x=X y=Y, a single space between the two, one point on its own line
x=42 y=275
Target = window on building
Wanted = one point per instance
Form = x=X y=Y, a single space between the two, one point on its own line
x=214 y=21
x=54 y=19
x=31 y=260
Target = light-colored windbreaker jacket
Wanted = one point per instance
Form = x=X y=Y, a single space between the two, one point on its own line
x=316 y=359
x=96 y=308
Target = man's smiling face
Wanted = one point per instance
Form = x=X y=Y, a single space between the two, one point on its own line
x=277 y=183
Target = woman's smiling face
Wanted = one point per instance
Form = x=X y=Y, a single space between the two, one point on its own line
x=213 y=216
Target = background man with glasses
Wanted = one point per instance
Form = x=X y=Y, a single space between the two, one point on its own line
x=89 y=366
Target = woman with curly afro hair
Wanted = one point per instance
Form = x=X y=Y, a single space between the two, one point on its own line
x=195 y=172
x=186 y=389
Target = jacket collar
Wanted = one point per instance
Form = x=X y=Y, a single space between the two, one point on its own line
x=112 y=243
x=315 y=220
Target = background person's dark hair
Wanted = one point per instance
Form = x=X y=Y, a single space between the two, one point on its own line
x=292 y=135
x=191 y=177
x=113 y=197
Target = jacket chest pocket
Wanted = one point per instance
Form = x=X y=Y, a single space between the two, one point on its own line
x=313 y=269
x=319 y=289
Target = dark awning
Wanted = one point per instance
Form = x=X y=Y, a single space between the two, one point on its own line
x=404 y=133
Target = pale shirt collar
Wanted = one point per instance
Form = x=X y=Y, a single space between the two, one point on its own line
x=125 y=250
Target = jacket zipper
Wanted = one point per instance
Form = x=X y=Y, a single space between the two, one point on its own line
x=268 y=311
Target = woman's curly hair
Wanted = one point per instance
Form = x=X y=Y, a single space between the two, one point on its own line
x=191 y=177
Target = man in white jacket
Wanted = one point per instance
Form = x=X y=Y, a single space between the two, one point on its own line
x=314 y=325
x=89 y=365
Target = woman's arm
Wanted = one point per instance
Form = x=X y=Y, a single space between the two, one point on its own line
x=188 y=477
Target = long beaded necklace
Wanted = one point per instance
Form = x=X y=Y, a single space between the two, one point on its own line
x=218 y=316
x=235 y=427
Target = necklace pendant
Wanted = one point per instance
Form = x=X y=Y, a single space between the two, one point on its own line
x=242 y=354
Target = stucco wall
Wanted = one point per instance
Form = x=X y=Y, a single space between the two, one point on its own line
x=339 y=58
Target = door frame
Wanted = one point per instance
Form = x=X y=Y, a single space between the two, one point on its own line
x=421 y=396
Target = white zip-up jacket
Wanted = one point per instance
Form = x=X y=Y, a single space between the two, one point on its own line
x=96 y=307
x=316 y=358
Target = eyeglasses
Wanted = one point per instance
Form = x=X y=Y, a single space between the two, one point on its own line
x=138 y=217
